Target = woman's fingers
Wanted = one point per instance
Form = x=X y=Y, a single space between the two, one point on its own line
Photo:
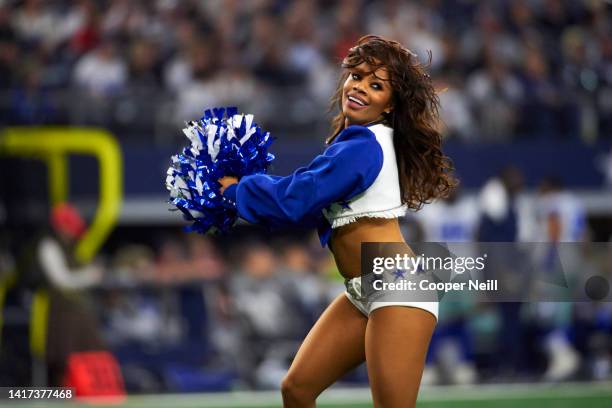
x=227 y=181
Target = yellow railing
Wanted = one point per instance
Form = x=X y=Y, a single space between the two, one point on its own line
x=54 y=145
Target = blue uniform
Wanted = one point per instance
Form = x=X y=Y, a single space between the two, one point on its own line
x=347 y=168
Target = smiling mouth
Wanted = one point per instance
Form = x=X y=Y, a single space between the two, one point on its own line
x=356 y=100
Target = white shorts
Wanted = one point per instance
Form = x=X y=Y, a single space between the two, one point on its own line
x=353 y=293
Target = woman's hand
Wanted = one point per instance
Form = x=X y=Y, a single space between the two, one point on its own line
x=226 y=182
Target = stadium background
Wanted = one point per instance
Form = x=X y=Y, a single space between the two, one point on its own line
x=526 y=98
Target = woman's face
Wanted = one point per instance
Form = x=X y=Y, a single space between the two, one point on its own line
x=366 y=94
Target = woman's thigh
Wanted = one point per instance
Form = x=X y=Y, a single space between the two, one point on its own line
x=397 y=339
x=334 y=345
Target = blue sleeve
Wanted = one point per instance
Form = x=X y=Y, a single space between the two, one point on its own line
x=346 y=168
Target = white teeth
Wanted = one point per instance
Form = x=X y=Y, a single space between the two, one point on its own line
x=356 y=101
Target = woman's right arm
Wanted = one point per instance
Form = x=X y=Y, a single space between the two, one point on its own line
x=346 y=168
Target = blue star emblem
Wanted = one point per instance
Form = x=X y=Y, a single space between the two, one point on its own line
x=345 y=205
x=420 y=270
x=398 y=274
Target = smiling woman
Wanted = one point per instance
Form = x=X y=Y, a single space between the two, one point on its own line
x=366 y=95
x=384 y=156
x=424 y=171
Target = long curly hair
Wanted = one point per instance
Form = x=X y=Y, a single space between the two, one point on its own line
x=425 y=173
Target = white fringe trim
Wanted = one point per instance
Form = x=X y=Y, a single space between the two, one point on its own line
x=391 y=213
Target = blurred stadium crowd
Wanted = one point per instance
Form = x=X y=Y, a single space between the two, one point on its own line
x=511 y=69
x=191 y=313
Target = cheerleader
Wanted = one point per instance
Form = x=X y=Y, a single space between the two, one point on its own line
x=383 y=157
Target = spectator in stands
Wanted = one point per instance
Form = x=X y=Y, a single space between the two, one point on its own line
x=560 y=218
x=267 y=53
x=34 y=22
x=494 y=92
x=347 y=20
x=561 y=214
x=31 y=103
x=193 y=259
x=455 y=110
x=101 y=73
x=62 y=322
x=143 y=68
x=178 y=70
x=265 y=302
x=298 y=268
x=198 y=92
x=544 y=113
x=82 y=27
x=499 y=223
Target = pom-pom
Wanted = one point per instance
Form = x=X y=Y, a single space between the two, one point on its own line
x=222 y=143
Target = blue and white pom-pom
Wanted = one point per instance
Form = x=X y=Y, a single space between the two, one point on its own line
x=223 y=143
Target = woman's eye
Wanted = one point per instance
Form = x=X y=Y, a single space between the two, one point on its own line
x=376 y=86
x=355 y=76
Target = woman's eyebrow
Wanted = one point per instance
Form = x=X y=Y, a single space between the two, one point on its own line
x=369 y=72
x=379 y=78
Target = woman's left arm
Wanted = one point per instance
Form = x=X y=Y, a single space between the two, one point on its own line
x=347 y=168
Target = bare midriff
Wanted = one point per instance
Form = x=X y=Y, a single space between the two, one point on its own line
x=345 y=242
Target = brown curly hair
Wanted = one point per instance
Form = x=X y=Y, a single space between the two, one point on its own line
x=425 y=172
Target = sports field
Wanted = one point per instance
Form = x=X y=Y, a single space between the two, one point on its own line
x=587 y=395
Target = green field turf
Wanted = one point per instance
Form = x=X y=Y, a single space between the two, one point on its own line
x=587 y=395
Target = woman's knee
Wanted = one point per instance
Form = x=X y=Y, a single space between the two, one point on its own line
x=296 y=394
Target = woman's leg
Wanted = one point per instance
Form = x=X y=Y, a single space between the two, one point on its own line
x=335 y=345
x=397 y=338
